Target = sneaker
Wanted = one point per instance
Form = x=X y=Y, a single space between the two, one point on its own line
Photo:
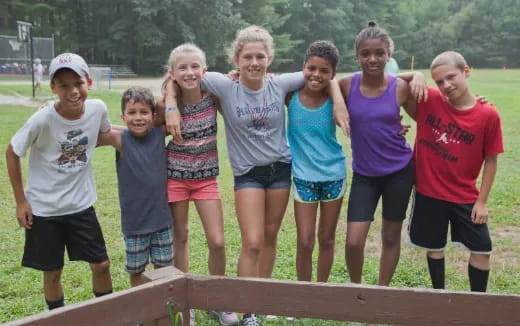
x=250 y=320
x=225 y=318
x=192 y=318
x=290 y=319
x=271 y=317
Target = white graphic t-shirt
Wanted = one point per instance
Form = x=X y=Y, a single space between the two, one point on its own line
x=59 y=178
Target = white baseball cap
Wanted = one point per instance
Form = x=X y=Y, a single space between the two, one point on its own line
x=70 y=61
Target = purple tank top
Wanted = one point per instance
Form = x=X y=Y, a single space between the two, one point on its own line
x=377 y=147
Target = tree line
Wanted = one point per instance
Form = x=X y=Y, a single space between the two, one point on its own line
x=141 y=33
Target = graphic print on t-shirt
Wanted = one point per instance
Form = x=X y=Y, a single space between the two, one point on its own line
x=73 y=149
x=448 y=134
x=259 y=125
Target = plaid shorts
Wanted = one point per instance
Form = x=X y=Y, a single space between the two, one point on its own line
x=140 y=247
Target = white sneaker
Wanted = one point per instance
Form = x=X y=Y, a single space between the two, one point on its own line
x=192 y=318
x=225 y=318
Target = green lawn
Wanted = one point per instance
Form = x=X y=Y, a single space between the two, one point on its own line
x=21 y=288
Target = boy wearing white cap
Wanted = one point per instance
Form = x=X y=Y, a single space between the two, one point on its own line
x=56 y=208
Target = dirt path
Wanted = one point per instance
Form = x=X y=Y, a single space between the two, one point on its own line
x=17 y=100
x=117 y=84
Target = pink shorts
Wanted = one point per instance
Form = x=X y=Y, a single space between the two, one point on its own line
x=179 y=189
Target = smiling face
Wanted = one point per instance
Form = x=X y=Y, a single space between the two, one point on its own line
x=451 y=81
x=188 y=71
x=253 y=60
x=71 y=89
x=138 y=117
x=372 y=55
x=318 y=72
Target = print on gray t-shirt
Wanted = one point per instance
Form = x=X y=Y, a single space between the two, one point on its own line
x=255 y=119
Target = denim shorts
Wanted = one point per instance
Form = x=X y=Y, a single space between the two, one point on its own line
x=276 y=175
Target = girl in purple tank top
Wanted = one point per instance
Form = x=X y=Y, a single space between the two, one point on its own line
x=381 y=157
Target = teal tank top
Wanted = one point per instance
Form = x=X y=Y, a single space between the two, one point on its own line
x=316 y=154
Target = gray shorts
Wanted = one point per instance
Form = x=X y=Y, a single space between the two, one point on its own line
x=276 y=175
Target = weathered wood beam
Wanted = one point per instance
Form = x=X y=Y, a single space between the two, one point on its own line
x=140 y=304
x=351 y=302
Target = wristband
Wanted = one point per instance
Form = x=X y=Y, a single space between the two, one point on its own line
x=170 y=108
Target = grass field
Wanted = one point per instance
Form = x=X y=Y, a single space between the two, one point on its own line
x=21 y=288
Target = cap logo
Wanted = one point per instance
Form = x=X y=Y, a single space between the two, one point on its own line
x=64 y=59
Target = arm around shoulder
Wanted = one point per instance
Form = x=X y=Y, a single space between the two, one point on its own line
x=111 y=138
x=340 y=112
x=406 y=99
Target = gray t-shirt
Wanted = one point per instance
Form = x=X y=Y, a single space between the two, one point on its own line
x=142 y=177
x=254 y=119
x=59 y=177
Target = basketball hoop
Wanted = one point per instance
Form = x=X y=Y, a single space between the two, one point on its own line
x=15 y=45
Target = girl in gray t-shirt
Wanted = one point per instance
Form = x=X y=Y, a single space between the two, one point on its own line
x=253 y=111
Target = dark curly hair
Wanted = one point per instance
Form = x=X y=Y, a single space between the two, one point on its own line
x=323 y=49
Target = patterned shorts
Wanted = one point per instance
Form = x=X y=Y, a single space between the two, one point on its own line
x=313 y=192
x=140 y=247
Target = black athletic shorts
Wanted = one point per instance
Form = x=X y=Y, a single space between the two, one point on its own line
x=80 y=233
x=394 y=188
x=429 y=220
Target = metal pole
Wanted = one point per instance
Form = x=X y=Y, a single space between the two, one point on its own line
x=32 y=59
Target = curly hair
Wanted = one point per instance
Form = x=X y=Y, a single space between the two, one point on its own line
x=323 y=49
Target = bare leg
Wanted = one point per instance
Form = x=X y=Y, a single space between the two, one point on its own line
x=480 y=261
x=391 y=238
x=136 y=279
x=210 y=212
x=329 y=214
x=250 y=208
x=354 y=251
x=52 y=288
x=275 y=206
x=305 y=216
x=101 y=280
x=181 y=230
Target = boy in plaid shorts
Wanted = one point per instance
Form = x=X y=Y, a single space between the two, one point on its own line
x=142 y=175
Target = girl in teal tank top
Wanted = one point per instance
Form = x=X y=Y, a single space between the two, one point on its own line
x=318 y=164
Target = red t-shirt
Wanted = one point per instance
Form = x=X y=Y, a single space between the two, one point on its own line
x=451 y=145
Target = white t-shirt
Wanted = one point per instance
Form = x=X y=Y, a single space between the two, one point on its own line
x=38 y=72
x=59 y=178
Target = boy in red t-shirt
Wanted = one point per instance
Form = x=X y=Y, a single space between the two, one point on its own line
x=455 y=135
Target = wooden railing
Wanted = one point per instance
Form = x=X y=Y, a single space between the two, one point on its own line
x=168 y=287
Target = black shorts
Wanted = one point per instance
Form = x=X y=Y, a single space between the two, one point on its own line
x=80 y=232
x=394 y=188
x=429 y=220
